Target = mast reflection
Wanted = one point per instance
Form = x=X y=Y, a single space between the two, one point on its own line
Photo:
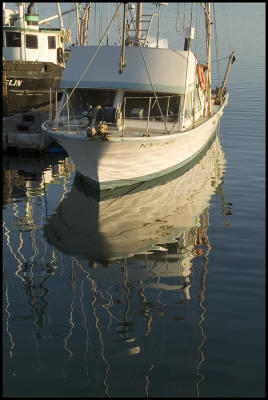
x=134 y=277
x=126 y=222
x=149 y=237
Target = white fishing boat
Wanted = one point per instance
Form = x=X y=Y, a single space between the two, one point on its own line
x=134 y=112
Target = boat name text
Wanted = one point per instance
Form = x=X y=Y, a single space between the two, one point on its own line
x=155 y=144
x=14 y=82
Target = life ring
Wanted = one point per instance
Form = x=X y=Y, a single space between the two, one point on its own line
x=201 y=78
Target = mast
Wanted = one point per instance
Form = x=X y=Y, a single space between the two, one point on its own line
x=138 y=22
x=60 y=16
x=158 y=26
x=84 y=25
x=209 y=59
x=86 y=22
x=77 y=24
x=206 y=7
x=122 y=60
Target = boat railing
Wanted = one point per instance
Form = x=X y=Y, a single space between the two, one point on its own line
x=132 y=29
x=146 y=109
x=143 y=111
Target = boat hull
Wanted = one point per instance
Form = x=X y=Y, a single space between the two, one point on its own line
x=121 y=161
x=29 y=83
x=107 y=227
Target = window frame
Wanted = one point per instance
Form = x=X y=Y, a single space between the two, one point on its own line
x=48 y=40
x=9 y=40
x=27 y=44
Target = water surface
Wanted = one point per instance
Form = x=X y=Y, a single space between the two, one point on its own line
x=156 y=293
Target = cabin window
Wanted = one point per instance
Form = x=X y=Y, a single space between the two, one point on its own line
x=31 y=42
x=137 y=105
x=51 y=42
x=83 y=98
x=13 y=39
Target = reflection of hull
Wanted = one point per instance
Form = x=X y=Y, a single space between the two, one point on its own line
x=28 y=83
x=125 y=160
x=137 y=220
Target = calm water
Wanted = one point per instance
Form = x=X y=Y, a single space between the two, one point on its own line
x=156 y=293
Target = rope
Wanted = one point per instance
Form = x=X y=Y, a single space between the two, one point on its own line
x=216 y=42
x=90 y=61
x=220 y=59
x=118 y=21
x=180 y=31
x=182 y=112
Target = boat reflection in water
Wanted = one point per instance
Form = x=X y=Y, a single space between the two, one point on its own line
x=125 y=222
x=123 y=308
x=148 y=238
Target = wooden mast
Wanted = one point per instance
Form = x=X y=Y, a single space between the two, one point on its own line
x=208 y=59
x=84 y=25
x=122 y=60
x=206 y=7
x=138 y=22
x=60 y=16
x=77 y=24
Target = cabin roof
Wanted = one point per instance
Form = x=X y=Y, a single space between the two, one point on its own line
x=167 y=69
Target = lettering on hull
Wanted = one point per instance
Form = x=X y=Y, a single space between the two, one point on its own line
x=14 y=82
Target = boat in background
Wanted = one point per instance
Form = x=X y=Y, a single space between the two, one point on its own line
x=33 y=57
x=132 y=113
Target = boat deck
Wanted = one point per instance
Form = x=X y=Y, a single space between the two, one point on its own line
x=132 y=128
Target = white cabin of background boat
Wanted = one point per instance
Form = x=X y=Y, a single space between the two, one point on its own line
x=24 y=38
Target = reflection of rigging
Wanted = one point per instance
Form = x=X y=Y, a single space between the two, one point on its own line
x=124 y=283
x=203 y=239
x=24 y=204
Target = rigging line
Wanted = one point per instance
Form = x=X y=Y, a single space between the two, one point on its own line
x=108 y=16
x=85 y=328
x=90 y=61
x=17 y=273
x=117 y=27
x=188 y=53
x=220 y=59
x=216 y=41
x=202 y=298
x=94 y=292
x=127 y=291
x=105 y=306
x=179 y=31
x=95 y=12
x=12 y=344
x=184 y=16
x=71 y=354
x=198 y=30
x=100 y=25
